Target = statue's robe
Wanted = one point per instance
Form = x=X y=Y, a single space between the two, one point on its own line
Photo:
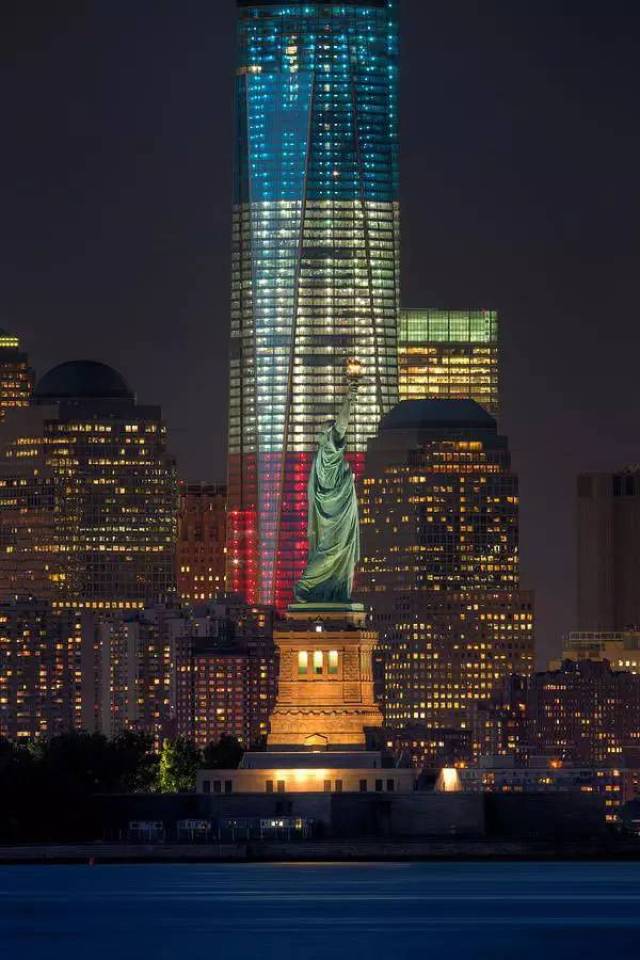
x=333 y=530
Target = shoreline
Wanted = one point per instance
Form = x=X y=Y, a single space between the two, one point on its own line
x=316 y=852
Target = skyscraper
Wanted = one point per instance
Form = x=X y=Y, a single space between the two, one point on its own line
x=440 y=561
x=16 y=376
x=449 y=355
x=315 y=262
x=97 y=527
x=439 y=508
x=609 y=551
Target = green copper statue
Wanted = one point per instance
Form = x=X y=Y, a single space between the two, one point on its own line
x=333 y=529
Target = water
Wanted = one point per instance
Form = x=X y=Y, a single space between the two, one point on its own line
x=322 y=911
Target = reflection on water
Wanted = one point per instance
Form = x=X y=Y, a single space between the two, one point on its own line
x=360 y=911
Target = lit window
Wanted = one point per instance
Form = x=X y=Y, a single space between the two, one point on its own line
x=333 y=661
x=318 y=660
x=303 y=662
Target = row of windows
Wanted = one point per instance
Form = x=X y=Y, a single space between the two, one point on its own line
x=317 y=660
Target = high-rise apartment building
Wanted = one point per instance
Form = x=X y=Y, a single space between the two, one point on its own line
x=41 y=670
x=88 y=494
x=609 y=551
x=225 y=689
x=16 y=376
x=449 y=355
x=440 y=571
x=585 y=712
x=135 y=668
x=200 y=549
x=190 y=671
x=315 y=276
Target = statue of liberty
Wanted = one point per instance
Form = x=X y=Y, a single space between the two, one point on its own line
x=333 y=529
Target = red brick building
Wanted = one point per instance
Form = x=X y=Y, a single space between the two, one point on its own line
x=201 y=541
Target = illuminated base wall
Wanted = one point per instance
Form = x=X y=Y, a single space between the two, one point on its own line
x=327 y=777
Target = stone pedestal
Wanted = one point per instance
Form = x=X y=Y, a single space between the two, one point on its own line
x=325 y=689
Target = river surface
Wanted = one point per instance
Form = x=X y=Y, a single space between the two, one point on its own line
x=322 y=911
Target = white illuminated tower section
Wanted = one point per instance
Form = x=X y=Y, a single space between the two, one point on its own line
x=315 y=263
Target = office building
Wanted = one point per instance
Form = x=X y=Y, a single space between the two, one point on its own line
x=315 y=263
x=449 y=355
x=609 y=551
x=16 y=376
x=440 y=570
x=88 y=453
x=200 y=549
x=443 y=653
x=439 y=504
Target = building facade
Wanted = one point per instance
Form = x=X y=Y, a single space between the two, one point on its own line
x=16 y=376
x=42 y=671
x=449 y=355
x=88 y=494
x=325 y=685
x=608 y=546
x=315 y=263
x=225 y=689
x=200 y=549
x=621 y=648
x=440 y=564
x=192 y=672
x=445 y=653
x=585 y=712
x=439 y=504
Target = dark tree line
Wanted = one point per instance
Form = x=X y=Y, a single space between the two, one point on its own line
x=46 y=786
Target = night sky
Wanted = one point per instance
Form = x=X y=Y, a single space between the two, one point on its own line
x=520 y=163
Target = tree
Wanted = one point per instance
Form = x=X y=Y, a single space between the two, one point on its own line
x=179 y=763
x=135 y=764
x=226 y=754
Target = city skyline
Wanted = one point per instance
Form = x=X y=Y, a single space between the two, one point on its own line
x=520 y=225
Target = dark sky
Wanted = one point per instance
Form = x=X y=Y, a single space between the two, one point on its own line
x=520 y=156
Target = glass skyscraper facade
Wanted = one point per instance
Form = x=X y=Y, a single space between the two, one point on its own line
x=449 y=355
x=315 y=262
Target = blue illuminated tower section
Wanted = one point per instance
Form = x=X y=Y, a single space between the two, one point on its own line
x=315 y=262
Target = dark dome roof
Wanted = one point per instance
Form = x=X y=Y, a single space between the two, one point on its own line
x=428 y=414
x=82 y=379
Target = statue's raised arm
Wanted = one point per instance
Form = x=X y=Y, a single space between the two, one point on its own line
x=333 y=529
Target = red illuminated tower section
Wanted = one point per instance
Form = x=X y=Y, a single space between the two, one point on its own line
x=315 y=274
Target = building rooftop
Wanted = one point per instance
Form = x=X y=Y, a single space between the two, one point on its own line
x=82 y=379
x=8 y=341
x=430 y=414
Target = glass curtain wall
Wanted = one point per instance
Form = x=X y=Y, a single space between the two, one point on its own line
x=314 y=263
